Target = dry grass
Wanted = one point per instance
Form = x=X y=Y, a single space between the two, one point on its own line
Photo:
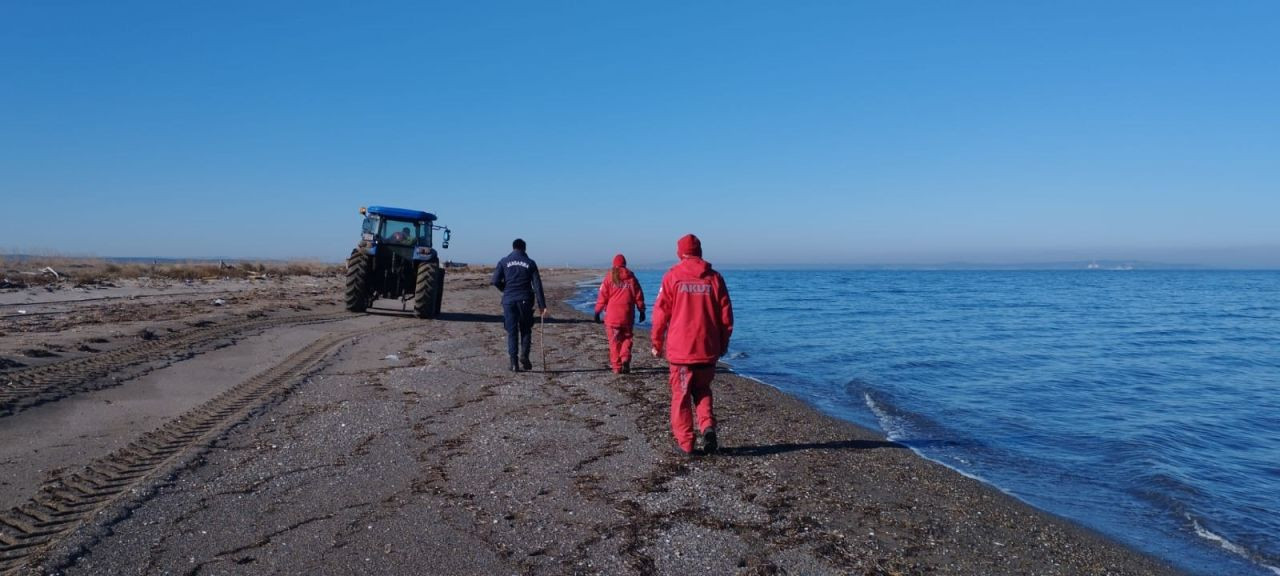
x=33 y=270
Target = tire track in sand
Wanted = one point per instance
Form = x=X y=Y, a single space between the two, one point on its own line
x=69 y=500
x=29 y=387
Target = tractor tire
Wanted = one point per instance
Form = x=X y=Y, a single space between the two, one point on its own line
x=358 y=267
x=439 y=281
x=430 y=283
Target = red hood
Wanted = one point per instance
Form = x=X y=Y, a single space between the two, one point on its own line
x=695 y=267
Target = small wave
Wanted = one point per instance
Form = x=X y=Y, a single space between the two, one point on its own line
x=1165 y=489
x=926 y=365
x=895 y=427
x=911 y=428
x=1233 y=315
x=758 y=380
x=1229 y=546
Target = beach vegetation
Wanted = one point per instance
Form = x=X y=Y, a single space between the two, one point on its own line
x=17 y=271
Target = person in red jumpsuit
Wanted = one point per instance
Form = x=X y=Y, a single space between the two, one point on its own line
x=692 y=323
x=620 y=295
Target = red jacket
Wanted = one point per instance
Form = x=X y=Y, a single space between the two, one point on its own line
x=693 y=316
x=619 y=300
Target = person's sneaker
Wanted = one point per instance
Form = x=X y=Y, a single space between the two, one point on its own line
x=515 y=367
x=709 y=441
x=526 y=364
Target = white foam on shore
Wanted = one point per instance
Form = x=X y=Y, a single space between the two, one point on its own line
x=1228 y=545
x=893 y=427
x=897 y=430
x=756 y=380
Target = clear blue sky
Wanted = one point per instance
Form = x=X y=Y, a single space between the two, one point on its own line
x=817 y=132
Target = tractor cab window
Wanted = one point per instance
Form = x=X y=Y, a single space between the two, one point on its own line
x=397 y=232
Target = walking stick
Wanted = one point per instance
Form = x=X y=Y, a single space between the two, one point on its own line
x=542 y=341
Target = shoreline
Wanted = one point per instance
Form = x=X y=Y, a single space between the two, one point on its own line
x=412 y=449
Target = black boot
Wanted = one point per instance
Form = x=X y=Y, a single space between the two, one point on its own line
x=525 y=345
x=514 y=366
x=709 y=441
x=626 y=367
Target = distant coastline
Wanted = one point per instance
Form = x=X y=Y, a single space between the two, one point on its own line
x=1062 y=265
x=1083 y=265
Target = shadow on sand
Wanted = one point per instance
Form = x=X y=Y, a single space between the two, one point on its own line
x=464 y=316
x=444 y=316
x=781 y=448
x=469 y=317
x=574 y=371
x=386 y=311
x=554 y=320
x=666 y=371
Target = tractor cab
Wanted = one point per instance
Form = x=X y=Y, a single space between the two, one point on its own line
x=397 y=227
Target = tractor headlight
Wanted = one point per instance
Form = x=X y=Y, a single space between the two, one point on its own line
x=423 y=251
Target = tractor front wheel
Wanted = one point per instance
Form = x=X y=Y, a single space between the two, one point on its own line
x=357 y=281
x=429 y=289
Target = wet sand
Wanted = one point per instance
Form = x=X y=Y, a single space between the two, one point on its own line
x=412 y=450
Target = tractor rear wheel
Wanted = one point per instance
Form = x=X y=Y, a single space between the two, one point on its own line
x=439 y=281
x=426 y=298
x=357 y=281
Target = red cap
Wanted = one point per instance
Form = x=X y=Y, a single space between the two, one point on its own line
x=619 y=261
x=689 y=245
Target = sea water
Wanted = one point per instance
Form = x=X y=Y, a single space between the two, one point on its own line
x=1142 y=404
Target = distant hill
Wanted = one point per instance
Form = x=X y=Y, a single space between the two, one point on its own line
x=1070 y=265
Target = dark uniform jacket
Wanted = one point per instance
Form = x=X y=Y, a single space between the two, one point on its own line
x=517 y=277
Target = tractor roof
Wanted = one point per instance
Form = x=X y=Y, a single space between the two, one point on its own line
x=402 y=214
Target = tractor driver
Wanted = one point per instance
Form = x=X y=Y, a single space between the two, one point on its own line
x=404 y=236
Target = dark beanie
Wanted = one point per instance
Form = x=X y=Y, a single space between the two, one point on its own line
x=689 y=245
x=619 y=261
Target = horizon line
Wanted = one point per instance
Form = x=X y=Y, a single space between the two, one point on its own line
x=1109 y=264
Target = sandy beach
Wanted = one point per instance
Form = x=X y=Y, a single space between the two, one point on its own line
x=148 y=430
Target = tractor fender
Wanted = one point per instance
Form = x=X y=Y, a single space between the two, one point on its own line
x=425 y=254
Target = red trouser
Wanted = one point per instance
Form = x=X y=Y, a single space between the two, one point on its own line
x=619 y=345
x=691 y=391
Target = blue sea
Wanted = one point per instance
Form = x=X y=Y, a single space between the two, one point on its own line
x=1142 y=404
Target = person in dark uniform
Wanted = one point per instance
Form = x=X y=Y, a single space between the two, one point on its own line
x=517 y=277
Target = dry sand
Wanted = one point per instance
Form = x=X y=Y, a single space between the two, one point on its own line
x=411 y=450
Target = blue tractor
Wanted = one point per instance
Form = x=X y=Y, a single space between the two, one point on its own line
x=396 y=259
